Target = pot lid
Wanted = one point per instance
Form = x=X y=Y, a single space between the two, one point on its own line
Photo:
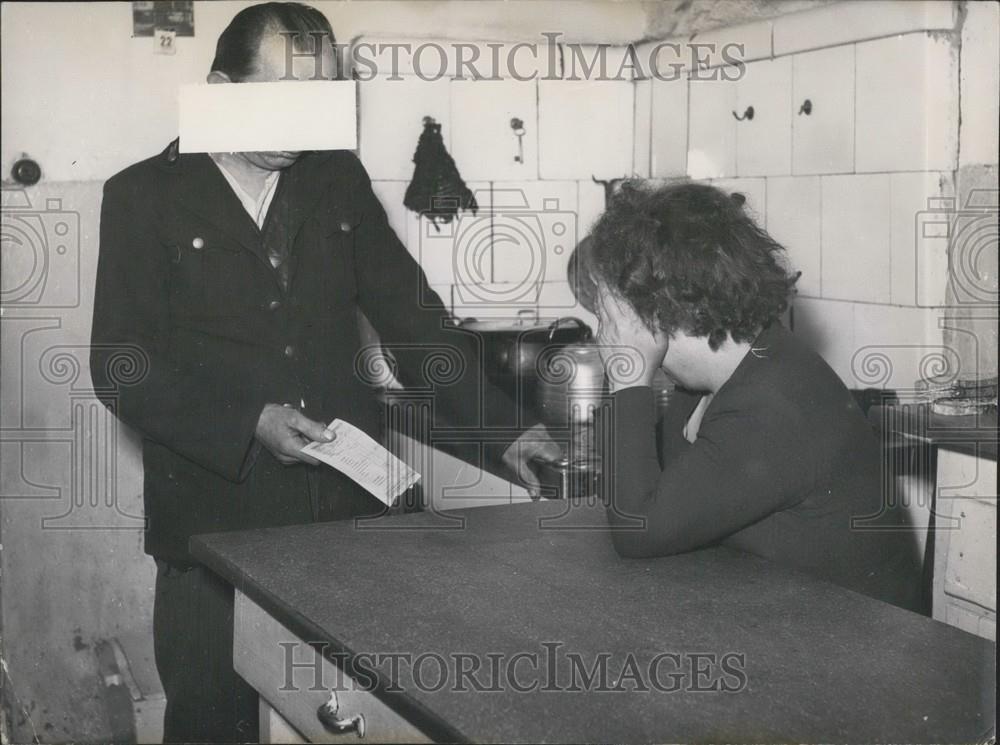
x=562 y=328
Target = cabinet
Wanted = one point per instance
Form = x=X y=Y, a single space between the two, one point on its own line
x=823 y=111
x=965 y=552
x=485 y=146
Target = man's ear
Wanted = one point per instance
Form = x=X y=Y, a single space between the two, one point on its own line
x=216 y=76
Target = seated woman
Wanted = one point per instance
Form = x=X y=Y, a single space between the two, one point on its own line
x=762 y=446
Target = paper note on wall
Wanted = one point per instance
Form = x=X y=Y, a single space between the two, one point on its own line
x=361 y=458
x=286 y=115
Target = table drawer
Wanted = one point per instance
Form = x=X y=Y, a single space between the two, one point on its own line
x=296 y=680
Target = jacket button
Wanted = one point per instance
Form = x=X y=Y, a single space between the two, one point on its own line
x=198 y=243
x=274 y=305
x=345 y=227
x=289 y=351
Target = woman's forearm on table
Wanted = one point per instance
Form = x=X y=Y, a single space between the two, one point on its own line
x=634 y=475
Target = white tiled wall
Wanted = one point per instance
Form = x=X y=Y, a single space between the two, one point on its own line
x=399 y=106
x=510 y=256
x=846 y=22
x=873 y=346
x=669 y=130
x=534 y=230
x=755 y=191
x=558 y=300
x=711 y=132
x=855 y=184
x=828 y=326
x=461 y=247
x=823 y=138
x=484 y=145
x=907 y=104
x=590 y=206
x=856 y=237
x=717 y=46
x=894 y=346
x=390 y=194
x=980 y=80
x=642 y=126
x=764 y=142
x=919 y=242
x=586 y=128
x=793 y=219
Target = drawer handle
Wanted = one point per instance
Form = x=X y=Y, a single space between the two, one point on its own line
x=327 y=715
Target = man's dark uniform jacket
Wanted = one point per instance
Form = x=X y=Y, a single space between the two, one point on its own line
x=189 y=304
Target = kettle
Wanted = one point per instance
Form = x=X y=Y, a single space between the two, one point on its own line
x=571 y=385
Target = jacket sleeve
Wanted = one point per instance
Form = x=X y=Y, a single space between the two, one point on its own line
x=738 y=471
x=206 y=415
x=413 y=323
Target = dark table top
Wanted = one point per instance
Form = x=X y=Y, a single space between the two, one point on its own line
x=975 y=434
x=811 y=661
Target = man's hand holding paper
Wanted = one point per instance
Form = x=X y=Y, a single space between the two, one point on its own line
x=355 y=454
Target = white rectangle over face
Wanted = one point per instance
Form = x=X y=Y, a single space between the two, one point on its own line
x=247 y=117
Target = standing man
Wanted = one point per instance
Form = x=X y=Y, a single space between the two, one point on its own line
x=236 y=279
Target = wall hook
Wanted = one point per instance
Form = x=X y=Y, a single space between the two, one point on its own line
x=806 y=107
x=748 y=115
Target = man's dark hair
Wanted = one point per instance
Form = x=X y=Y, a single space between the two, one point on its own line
x=688 y=257
x=236 y=50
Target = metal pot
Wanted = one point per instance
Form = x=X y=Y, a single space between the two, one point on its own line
x=512 y=349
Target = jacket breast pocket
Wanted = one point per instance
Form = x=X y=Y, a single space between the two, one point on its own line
x=211 y=275
x=326 y=268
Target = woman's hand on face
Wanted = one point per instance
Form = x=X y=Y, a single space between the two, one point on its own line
x=631 y=352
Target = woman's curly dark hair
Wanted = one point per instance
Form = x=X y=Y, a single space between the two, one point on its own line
x=687 y=257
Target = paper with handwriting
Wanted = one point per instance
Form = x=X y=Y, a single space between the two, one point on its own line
x=362 y=459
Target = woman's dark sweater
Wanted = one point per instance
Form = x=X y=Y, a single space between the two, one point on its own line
x=784 y=460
